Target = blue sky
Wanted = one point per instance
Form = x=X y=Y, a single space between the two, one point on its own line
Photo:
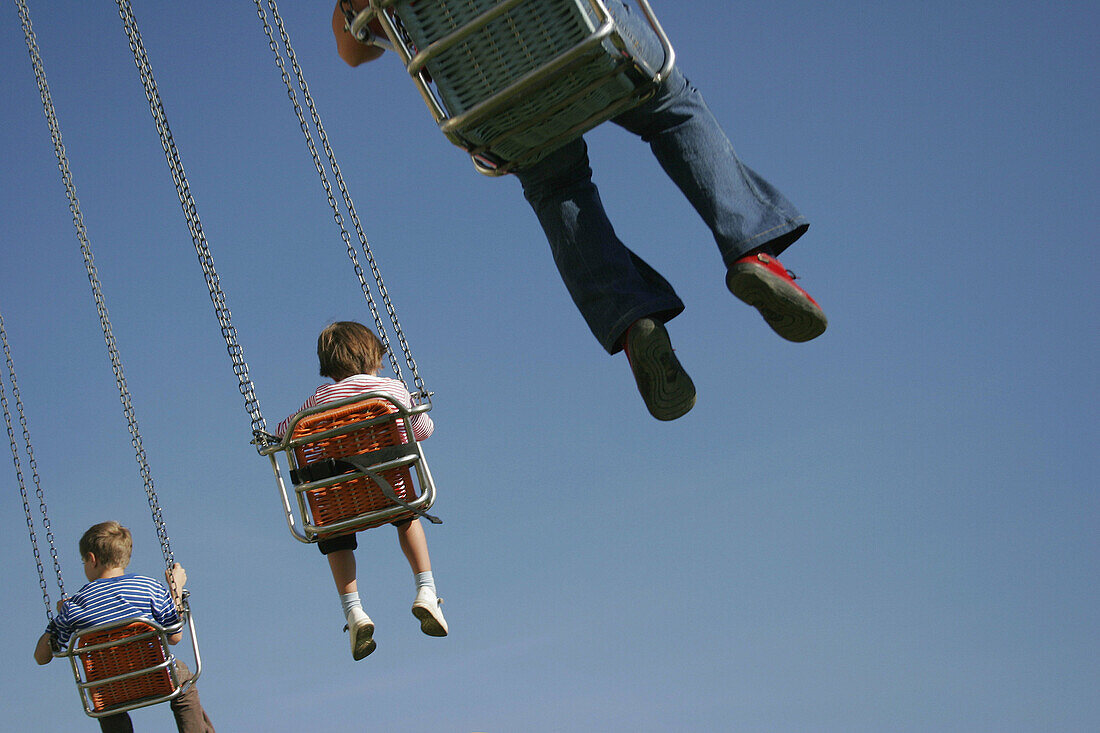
x=892 y=528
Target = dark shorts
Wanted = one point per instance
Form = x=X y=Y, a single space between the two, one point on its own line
x=347 y=541
x=333 y=544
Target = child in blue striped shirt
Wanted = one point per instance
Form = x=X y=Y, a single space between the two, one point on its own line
x=112 y=594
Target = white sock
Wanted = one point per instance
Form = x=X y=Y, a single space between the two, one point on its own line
x=350 y=601
x=425 y=580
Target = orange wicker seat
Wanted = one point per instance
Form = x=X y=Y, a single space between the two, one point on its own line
x=138 y=647
x=359 y=495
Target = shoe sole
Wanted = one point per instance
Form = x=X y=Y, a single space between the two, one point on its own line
x=429 y=624
x=785 y=308
x=364 y=642
x=666 y=389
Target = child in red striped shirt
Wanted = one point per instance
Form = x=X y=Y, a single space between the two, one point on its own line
x=351 y=355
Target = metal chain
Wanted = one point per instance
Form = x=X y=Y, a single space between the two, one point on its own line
x=194 y=225
x=36 y=61
x=97 y=293
x=34 y=472
x=383 y=333
x=421 y=393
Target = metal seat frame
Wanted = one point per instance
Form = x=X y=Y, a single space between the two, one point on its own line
x=603 y=40
x=300 y=523
x=86 y=687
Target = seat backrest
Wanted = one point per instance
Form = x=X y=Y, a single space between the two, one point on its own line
x=605 y=80
x=357 y=496
x=128 y=655
x=362 y=440
x=502 y=50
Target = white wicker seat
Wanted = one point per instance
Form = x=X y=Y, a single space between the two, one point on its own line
x=512 y=80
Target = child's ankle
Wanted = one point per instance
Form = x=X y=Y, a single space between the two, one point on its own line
x=425 y=580
x=350 y=601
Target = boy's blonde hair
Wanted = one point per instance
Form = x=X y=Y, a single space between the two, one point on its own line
x=346 y=348
x=110 y=542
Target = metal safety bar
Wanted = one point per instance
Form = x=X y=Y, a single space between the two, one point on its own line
x=301 y=524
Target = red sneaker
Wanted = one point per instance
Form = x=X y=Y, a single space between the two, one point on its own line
x=761 y=281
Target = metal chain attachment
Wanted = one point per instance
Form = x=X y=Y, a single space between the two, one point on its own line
x=420 y=394
x=194 y=225
x=97 y=294
x=34 y=476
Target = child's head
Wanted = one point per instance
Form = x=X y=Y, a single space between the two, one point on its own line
x=346 y=348
x=109 y=542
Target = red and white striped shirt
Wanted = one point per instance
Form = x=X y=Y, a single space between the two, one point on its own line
x=358 y=384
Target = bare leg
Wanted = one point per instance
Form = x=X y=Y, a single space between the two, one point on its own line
x=426 y=606
x=415 y=546
x=342 y=564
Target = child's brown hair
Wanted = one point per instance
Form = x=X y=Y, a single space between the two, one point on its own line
x=110 y=542
x=346 y=348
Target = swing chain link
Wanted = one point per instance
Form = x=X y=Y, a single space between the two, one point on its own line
x=194 y=225
x=421 y=394
x=44 y=91
x=383 y=334
x=34 y=474
x=97 y=294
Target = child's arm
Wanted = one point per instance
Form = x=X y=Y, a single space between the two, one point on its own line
x=177 y=578
x=351 y=50
x=423 y=426
x=43 y=650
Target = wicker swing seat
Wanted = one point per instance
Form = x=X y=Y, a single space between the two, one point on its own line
x=125 y=665
x=352 y=468
x=510 y=81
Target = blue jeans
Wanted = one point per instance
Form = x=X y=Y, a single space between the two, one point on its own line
x=611 y=286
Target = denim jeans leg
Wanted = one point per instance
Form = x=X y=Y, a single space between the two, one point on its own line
x=611 y=286
x=742 y=210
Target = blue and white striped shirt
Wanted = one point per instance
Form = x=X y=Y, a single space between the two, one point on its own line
x=113 y=599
